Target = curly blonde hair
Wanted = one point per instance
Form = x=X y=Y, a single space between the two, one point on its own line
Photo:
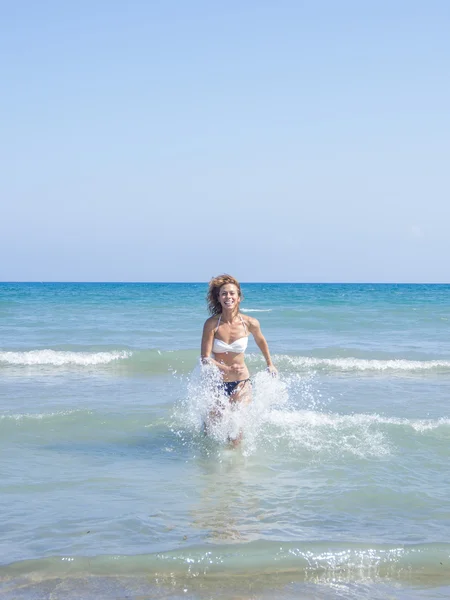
x=212 y=298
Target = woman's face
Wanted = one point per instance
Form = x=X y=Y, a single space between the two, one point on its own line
x=229 y=296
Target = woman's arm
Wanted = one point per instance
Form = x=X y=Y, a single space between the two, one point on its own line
x=255 y=329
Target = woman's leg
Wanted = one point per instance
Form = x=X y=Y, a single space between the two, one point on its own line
x=242 y=393
x=238 y=393
x=241 y=396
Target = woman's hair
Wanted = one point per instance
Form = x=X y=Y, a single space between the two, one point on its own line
x=212 y=298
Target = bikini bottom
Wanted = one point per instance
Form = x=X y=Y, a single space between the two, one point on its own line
x=229 y=387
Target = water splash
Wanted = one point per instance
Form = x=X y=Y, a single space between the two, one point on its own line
x=206 y=410
x=288 y=416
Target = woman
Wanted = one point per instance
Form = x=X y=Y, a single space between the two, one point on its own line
x=225 y=337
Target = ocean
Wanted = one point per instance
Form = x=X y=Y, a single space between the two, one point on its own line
x=109 y=488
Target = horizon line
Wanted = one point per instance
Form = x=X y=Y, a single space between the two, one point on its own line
x=241 y=281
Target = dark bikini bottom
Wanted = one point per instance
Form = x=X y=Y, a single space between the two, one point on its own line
x=229 y=387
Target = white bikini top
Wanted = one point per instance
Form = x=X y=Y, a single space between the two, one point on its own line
x=238 y=346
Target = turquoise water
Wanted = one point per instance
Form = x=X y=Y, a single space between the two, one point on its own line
x=110 y=490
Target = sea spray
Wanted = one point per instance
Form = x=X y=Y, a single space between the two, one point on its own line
x=205 y=411
x=288 y=413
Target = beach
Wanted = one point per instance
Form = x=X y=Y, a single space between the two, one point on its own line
x=111 y=490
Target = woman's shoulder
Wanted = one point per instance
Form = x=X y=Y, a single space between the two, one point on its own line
x=250 y=322
x=211 y=322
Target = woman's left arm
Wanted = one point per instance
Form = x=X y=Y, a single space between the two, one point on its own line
x=255 y=329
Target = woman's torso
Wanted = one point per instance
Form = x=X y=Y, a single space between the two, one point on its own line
x=231 y=353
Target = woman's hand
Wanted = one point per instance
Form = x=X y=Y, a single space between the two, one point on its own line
x=272 y=370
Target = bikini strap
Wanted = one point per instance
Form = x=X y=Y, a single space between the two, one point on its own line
x=218 y=323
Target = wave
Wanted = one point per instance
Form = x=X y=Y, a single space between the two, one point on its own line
x=301 y=434
x=337 y=421
x=249 y=310
x=163 y=361
x=362 y=364
x=60 y=358
x=319 y=562
x=58 y=415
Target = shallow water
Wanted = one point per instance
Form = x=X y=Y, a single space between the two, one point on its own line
x=110 y=489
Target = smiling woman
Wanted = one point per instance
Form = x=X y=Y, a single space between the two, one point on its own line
x=225 y=338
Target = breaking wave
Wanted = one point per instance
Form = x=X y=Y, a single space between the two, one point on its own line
x=60 y=358
x=361 y=364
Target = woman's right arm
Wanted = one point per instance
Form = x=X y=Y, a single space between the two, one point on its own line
x=207 y=341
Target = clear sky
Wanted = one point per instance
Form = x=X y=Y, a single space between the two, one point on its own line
x=172 y=140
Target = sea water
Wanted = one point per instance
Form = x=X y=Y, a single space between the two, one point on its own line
x=109 y=487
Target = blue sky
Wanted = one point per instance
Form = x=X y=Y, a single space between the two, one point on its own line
x=171 y=141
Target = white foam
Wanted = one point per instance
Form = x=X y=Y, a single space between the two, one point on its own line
x=256 y=310
x=361 y=364
x=319 y=419
x=324 y=434
x=362 y=435
x=60 y=358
